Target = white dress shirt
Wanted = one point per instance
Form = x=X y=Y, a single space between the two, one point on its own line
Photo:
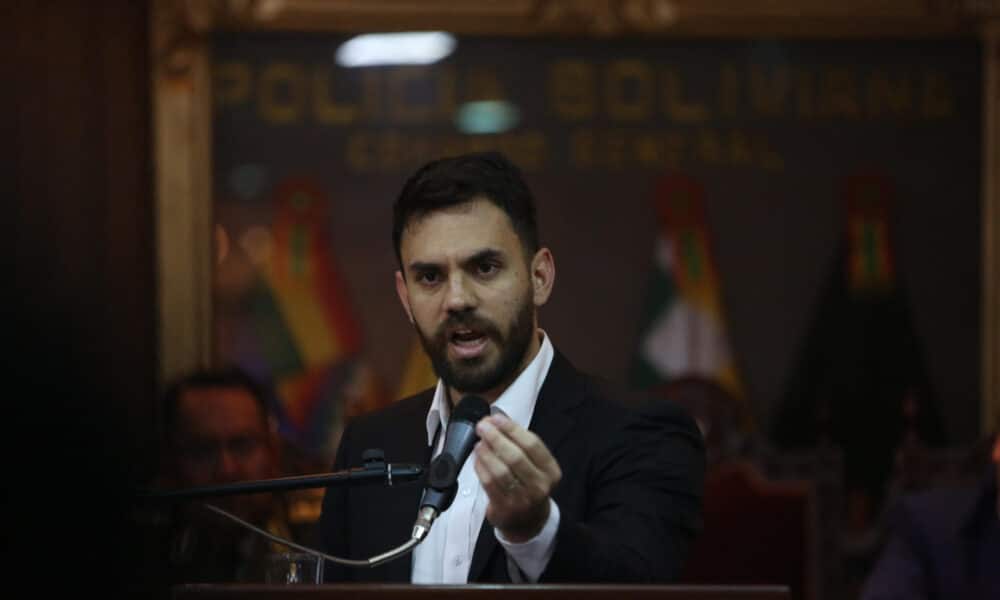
x=445 y=554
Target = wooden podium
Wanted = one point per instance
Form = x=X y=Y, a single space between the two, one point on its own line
x=478 y=592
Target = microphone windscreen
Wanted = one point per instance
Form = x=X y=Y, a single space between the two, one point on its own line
x=471 y=408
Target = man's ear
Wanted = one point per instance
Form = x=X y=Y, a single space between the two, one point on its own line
x=543 y=275
x=404 y=295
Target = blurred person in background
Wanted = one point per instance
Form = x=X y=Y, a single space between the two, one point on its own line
x=945 y=543
x=218 y=429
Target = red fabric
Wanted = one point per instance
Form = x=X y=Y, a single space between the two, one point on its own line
x=755 y=532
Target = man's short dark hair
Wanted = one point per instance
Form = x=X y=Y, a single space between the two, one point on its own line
x=226 y=377
x=456 y=180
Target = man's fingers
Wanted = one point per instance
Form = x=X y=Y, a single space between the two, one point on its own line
x=518 y=488
x=510 y=454
x=493 y=473
x=507 y=450
x=530 y=444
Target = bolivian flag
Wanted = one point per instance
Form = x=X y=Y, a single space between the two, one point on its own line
x=305 y=334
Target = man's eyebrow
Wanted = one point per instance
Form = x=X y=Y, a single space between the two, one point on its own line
x=484 y=254
x=422 y=266
x=477 y=257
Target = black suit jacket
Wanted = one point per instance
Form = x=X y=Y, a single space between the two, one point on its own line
x=629 y=499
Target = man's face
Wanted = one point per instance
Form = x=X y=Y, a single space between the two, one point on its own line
x=222 y=437
x=471 y=294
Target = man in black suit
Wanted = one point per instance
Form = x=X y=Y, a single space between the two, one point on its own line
x=567 y=484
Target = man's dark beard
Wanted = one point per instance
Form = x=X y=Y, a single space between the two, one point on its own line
x=471 y=375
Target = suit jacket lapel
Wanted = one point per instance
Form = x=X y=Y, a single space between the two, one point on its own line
x=562 y=391
x=552 y=421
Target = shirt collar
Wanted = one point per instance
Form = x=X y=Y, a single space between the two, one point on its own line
x=517 y=401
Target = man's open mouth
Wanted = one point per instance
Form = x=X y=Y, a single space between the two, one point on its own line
x=467 y=343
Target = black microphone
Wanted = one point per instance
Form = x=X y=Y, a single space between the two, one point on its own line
x=442 y=476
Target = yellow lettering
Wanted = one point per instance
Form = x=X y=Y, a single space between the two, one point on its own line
x=840 y=93
x=571 y=90
x=674 y=104
x=708 y=147
x=282 y=92
x=327 y=110
x=649 y=150
x=232 y=83
x=888 y=97
x=768 y=91
x=625 y=106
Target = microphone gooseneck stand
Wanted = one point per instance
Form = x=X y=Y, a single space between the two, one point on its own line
x=375 y=469
x=415 y=538
x=439 y=491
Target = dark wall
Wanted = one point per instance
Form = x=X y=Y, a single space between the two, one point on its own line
x=776 y=208
x=81 y=236
x=83 y=204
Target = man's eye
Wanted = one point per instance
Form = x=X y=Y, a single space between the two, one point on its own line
x=428 y=277
x=488 y=268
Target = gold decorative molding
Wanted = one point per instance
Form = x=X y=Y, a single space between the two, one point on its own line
x=180 y=26
x=727 y=18
x=606 y=17
x=703 y=18
x=182 y=153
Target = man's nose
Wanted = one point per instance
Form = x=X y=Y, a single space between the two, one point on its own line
x=459 y=295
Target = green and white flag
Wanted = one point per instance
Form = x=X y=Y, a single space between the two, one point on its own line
x=684 y=331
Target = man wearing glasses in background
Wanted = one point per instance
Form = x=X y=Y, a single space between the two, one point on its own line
x=217 y=430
